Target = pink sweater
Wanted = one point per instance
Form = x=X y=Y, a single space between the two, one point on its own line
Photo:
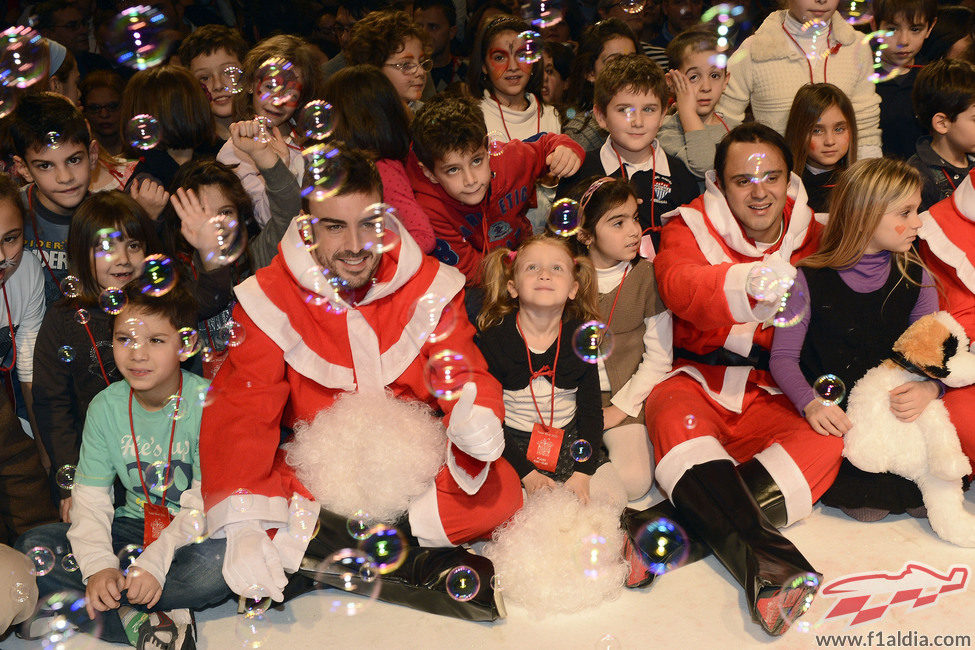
x=398 y=193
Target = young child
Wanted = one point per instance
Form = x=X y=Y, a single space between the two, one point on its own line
x=509 y=86
x=944 y=102
x=822 y=135
x=630 y=96
x=275 y=109
x=556 y=65
x=697 y=81
x=58 y=173
x=911 y=22
x=601 y=43
x=475 y=201
x=63 y=72
x=642 y=327
x=808 y=42
x=535 y=299
x=211 y=53
x=145 y=431
x=865 y=285
x=384 y=133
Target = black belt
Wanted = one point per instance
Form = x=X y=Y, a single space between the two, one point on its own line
x=757 y=358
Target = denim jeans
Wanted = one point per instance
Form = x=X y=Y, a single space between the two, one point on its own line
x=195 y=578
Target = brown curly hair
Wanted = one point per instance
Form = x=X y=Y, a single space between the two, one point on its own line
x=380 y=35
x=293 y=48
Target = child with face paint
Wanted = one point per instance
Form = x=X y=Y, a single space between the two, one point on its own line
x=509 y=80
x=822 y=134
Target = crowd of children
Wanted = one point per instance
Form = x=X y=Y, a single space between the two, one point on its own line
x=688 y=163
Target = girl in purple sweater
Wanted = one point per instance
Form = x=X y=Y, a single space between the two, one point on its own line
x=865 y=286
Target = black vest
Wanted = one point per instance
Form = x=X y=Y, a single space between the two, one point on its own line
x=850 y=332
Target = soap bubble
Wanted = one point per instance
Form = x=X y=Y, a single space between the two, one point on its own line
x=528 y=48
x=112 y=301
x=796 y=597
x=108 y=244
x=663 y=545
x=158 y=275
x=277 y=82
x=690 y=421
x=127 y=556
x=231 y=334
x=264 y=131
x=71 y=286
x=256 y=599
x=142 y=132
x=233 y=79
x=793 y=307
x=81 y=316
x=581 y=450
x=856 y=12
x=136 y=333
x=595 y=555
x=8 y=101
x=306 y=230
x=20 y=592
x=722 y=19
x=324 y=174
x=359 y=525
x=608 y=642
x=316 y=120
x=386 y=546
x=43 y=559
x=446 y=373
x=159 y=475
x=632 y=6
x=65 y=477
x=542 y=14
x=194 y=525
x=463 y=583
x=880 y=43
x=592 y=341
x=495 y=142
x=764 y=284
x=53 y=140
x=69 y=563
x=241 y=500
x=438 y=316
x=66 y=353
x=829 y=389
x=253 y=629
x=816 y=39
x=225 y=239
x=563 y=218
x=138 y=37
x=189 y=341
x=382 y=235
x=23 y=57
x=325 y=284
x=355 y=578
x=59 y=616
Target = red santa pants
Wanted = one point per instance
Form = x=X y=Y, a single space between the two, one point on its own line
x=466 y=517
x=960 y=403
x=687 y=428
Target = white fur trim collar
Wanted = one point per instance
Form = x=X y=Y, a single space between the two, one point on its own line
x=963 y=202
x=770 y=43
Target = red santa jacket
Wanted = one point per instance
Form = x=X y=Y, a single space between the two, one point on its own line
x=701 y=270
x=459 y=228
x=948 y=249
x=300 y=353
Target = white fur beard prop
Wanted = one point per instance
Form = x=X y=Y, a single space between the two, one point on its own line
x=369 y=453
x=558 y=555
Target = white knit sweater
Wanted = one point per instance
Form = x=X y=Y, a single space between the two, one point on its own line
x=768 y=69
x=521 y=125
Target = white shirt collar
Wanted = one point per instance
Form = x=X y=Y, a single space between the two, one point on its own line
x=611 y=161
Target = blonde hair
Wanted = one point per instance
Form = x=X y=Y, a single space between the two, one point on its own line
x=864 y=192
x=499 y=268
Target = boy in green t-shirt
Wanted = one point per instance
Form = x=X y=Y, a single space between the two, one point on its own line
x=144 y=430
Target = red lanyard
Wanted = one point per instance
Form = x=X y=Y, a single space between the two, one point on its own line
x=33 y=223
x=726 y=129
x=542 y=372
x=538 y=124
x=806 y=56
x=947 y=178
x=653 y=179
x=616 y=297
x=10 y=321
x=98 y=356
x=172 y=434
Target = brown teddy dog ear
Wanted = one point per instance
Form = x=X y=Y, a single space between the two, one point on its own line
x=924 y=347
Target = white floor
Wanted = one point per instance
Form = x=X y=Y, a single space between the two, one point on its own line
x=697 y=606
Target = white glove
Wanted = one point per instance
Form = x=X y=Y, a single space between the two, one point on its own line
x=292 y=541
x=770 y=279
x=252 y=561
x=475 y=429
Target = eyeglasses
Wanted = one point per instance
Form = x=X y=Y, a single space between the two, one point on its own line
x=99 y=108
x=409 y=67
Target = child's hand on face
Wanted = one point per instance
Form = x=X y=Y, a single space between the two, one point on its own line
x=104 y=591
x=245 y=136
x=563 y=162
x=535 y=481
x=909 y=400
x=579 y=484
x=685 y=98
x=142 y=587
x=150 y=195
x=827 y=420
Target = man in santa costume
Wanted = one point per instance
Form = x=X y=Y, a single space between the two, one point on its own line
x=306 y=344
x=733 y=456
x=948 y=249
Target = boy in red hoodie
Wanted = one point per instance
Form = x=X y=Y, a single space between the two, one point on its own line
x=477 y=202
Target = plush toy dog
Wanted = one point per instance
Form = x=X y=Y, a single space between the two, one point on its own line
x=927 y=450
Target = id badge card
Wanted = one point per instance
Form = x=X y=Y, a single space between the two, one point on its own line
x=544 y=446
x=157 y=517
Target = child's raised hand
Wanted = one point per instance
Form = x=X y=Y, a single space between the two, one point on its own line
x=150 y=195
x=563 y=162
x=827 y=420
x=579 y=484
x=142 y=587
x=535 y=481
x=909 y=400
x=247 y=139
x=195 y=214
x=103 y=591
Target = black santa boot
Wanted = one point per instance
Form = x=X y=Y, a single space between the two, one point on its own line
x=420 y=582
x=714 y=503
x=762 y=488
